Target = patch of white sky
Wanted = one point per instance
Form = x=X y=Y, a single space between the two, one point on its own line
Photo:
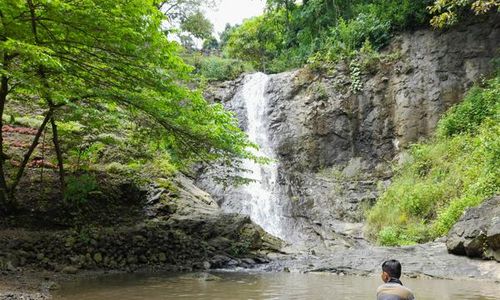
x=233 y=12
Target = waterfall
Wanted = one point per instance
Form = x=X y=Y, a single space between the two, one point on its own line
x=260 y=198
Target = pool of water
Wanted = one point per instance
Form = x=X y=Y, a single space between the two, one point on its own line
x=235 y=286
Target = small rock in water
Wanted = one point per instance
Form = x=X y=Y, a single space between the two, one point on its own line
x=248 y=261
x=50 y=285
x=162 y=257
x=98 y=257
x=211 y=277
x=202 y=265
x=219 y=261
x=206 y=265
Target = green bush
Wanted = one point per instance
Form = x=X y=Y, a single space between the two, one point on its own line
x=78 y=189
x=401 y=14
x=479 y=104
x=389 y=236
x=216 y=68
x=402 y=236
x=455 y=171
x=347 y=38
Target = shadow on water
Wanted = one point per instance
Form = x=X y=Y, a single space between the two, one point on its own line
x=230 y=285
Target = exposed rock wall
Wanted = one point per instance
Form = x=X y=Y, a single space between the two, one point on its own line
x=318 y=122
x=334 y=145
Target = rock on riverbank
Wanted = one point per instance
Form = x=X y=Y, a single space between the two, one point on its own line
x=477 y=233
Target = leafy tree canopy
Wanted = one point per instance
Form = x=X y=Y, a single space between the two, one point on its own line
x=198 y=25
x=446 y=12
x=66 y=55
x=185 y=18
x=256 y=40
x=291 y=33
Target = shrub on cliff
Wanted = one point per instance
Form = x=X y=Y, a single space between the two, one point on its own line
x=455 y=171
x=216 y=68
x=479 y=105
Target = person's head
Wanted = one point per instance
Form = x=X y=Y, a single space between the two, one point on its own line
x=391 y=269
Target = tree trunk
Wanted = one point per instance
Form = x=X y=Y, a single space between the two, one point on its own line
x=288 y=10
x=28 y=154
x=4 y=90
x=333 y=10
x=48 y=98
x=57 y=146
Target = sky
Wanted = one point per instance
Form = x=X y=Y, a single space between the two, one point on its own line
x=233 y=12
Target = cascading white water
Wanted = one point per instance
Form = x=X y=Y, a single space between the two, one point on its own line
x=260 y=199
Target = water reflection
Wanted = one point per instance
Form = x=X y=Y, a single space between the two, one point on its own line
x=265 y=286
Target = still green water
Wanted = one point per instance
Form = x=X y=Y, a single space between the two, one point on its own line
x=247 y=286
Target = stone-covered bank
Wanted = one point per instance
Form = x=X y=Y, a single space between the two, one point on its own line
x=183 y=229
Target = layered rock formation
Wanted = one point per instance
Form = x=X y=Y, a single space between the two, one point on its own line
x=335 y=145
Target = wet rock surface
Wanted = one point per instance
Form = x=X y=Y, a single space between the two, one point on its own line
x=426 y=260
x=477 y=233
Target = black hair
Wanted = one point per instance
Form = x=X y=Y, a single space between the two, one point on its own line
x=392 y=267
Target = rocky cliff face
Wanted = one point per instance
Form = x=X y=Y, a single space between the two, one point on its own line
x=334 y=145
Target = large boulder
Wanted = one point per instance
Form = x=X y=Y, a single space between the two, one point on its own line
x=477 y=233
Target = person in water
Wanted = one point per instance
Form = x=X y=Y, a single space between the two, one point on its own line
x=393 y=288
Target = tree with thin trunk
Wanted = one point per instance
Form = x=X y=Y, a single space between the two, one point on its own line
x=71 y=54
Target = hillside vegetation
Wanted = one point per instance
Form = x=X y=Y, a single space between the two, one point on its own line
x=291 y=34
x=98 y=82
x=457 y=169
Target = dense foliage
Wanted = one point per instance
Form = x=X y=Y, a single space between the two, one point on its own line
x=289 y=35
x=447 y=12
x=186 y=21
x=216 y=68
x=96 y=67
x=457 y=170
